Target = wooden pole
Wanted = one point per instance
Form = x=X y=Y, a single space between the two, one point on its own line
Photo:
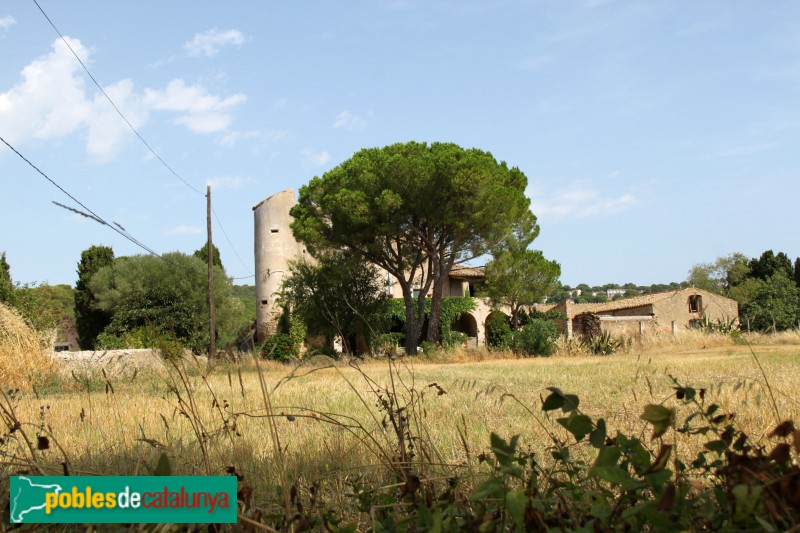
x=210 y=248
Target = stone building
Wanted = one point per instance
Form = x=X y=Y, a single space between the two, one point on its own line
x=668 y=311
x=275 y=246
x=662 y=311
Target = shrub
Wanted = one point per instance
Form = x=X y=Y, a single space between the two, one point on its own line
x=536 y=337
x=140 y=338
x=280 y=347
x=603 y=344
x=498 y=332
x=387 y=343
x=453 y=338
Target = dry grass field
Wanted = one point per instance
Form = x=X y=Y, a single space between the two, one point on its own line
x=332 y=422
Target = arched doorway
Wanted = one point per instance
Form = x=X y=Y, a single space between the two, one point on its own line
x=497 y=329
x=468 y=325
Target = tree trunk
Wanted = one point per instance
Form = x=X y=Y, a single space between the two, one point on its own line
x=436 y=312
x=514 y=318
x=439 y=275
x=413 y=325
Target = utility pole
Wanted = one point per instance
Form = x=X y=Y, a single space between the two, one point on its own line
x=210 y=249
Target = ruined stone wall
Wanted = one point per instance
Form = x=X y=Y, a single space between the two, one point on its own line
x=628 y=326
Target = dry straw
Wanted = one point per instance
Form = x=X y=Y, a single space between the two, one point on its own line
x=25 y=355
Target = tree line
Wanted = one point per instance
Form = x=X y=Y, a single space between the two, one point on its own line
x=767 y=287
x=139 y=301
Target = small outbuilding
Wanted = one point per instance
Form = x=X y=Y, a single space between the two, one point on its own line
x=660 y=311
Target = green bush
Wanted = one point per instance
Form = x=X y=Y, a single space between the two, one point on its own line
x=498 y=332
x=280 y=347
x=537 y=337
x=603 y=479
x=453 y=338
x=140 y=338
x=603 y=344
x=393 y=339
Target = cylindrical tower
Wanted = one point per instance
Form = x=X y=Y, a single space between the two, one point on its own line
x=275 y=246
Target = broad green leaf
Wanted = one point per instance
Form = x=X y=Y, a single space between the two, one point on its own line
x=163 y=468
x=598 y=435
x=515 y=503
x=601 y=510
x=554 y=401
x=608 y=456
x=571 y=403
x=578 y=425
x=612 y=474
x=491 y=488
x=501 y=449
x=660 y=417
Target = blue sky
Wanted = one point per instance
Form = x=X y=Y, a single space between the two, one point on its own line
x=654 y=135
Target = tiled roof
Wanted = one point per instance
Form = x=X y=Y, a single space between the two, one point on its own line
x=624 y=303
x=466 y=272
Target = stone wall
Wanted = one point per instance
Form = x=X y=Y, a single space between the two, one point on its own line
x=275 y=246
x=676 y=308
x=628 y=326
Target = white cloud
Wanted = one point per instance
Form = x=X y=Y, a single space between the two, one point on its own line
x=316 y=159
x=229 y=182
x=349 y=121
x=184 y=229
x=579 y=200
x=262 y=137
x=281 y=103
x=107 y=131
x=7 y=21
x=52 y=101
x=211 y=42
x=202 y=112
x=743 y=150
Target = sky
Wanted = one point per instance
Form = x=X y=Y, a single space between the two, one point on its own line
x=654 y=135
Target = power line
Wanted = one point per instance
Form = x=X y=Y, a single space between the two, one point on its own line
x=225 y=233
x=133 y=129
x=89 y=213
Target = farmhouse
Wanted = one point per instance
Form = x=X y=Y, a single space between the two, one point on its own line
x=661 y=311
x=275 y=246
x=668 y=311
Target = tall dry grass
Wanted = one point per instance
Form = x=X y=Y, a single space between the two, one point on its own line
x=25 y=354
x=332 y=425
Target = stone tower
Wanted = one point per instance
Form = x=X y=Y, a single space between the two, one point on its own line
x=275 y=246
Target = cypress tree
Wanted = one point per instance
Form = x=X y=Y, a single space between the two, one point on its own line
x=6 y=286
x=89 y=321
x=797 y=271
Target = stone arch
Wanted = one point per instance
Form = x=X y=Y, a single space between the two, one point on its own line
x=466 y=324
x=489 y=318
x=491 y=315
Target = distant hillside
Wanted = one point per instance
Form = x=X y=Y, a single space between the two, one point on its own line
x=247 y=294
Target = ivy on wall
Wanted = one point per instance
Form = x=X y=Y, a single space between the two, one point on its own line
x=452 y=308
